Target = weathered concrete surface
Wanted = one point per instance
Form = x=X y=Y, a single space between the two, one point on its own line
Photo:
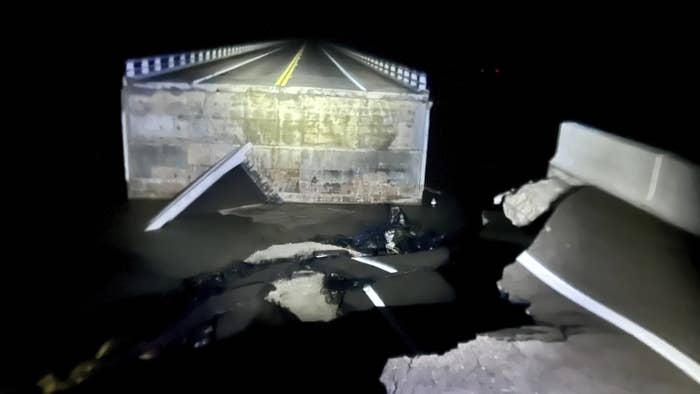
x=313 y=145
x=570 y=351
x=532 y=200
x=662 y=184
x=649 y=278
x=299 y=250
x=303 y=295
x=650 y=275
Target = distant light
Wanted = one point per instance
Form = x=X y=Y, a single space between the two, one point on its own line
x=497 y=70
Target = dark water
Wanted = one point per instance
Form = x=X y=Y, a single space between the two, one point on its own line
x=277 y=352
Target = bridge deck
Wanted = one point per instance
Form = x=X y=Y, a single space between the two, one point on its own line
x=287 y=65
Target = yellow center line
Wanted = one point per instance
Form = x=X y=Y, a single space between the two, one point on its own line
x=287 y=73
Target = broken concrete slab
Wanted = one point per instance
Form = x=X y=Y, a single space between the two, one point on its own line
x=293 y=251
x=303 y=295
x=199 y=186
x=531 y=200
x=571 y=349
x=593 y=363
x=235 y=188
x=591 y=232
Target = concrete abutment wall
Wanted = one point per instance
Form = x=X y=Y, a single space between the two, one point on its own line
x=313 y=145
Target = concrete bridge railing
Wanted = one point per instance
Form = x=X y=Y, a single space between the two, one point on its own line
x=411 y=78
x=654 y=180
x=154 y=65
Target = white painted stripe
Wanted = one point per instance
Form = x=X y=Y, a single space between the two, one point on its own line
x=654 y=177
x=376 y=264
x=373 y=296
x=665 y=349
x=342 y=70
x=199 y=186
x=241 y=64
x=125 y=146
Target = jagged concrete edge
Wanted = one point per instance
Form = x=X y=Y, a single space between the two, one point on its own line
x=261 y=182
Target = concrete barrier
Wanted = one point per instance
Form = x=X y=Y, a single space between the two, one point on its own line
x=656 y=181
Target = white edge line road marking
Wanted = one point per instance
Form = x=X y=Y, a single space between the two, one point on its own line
x=241 y=64
x=665 y=349
x=199 y=186
x=125 y=146
x=342 y=70
x=373 y=296
x=376 y=264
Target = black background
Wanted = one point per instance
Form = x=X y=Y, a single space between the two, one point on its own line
x=623 y=72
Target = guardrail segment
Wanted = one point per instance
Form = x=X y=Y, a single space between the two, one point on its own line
x=411 y=78
x=153 y=65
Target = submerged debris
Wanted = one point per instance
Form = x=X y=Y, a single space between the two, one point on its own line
x=51 y=383
x=398 y=236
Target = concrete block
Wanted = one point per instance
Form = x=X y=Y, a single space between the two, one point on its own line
x=152 y=126
x=138 y=104
x=652 y=179
x=170 y=103
x=262 y=131
x=198 y=128
x=216 y=106
x=617 y=166
x=144 y=157
x=151 y=188
x=199 y=154
x=261 y=105
x=218 y=151
x=237 y=111
x=170 y=173
x=195 y=102
x=290 y=108
x=286 y=159
x=328 y=144
x=676 y=196
x=219 y=129
x=261 y=157
x=291 y=132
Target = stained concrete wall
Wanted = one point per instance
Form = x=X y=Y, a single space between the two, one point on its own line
x=313 y=145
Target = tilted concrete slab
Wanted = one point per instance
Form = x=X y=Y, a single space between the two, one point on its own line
x=199 y=186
